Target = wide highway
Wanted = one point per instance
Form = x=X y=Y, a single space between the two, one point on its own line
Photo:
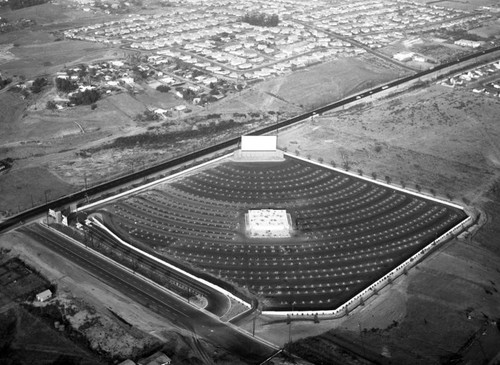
x=179 y=312
x=107 y=187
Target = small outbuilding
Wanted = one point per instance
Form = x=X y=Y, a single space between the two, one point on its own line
x=158 y=358
x=127 y=362
x=43 y=296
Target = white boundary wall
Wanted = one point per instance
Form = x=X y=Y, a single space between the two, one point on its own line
x=153 y=183
x=170 y=266
x=342 y=309
x=386 y=279
x=151 y=282
x=366 y=178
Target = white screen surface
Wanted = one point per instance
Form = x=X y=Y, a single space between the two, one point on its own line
x=258 y=143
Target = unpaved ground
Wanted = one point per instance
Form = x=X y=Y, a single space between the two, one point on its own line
x=73 y=281
x=52 y=141
x=438 y=138
x=86 y=304
x=446 y=141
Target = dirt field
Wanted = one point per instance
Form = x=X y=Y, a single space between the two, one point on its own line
x=437 y=138
x=52 y=140
x=86 y=304
x=440 y=139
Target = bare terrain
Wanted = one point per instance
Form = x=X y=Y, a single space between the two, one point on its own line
x=442 y=141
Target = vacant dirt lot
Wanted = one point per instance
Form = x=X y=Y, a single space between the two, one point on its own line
x=438 y=138
x=52 y=141
x=445 y=141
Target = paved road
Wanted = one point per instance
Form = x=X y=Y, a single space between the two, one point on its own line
x=179 y=312
x=218 y=303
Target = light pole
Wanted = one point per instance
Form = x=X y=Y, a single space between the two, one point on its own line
x=254 y=318
x=46 y=200
x=292 y=302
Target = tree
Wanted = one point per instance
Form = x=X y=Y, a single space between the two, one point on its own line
x=163 y=88
x=65 y=85
x=19 y=4
x=51 y=105
x=86 y=97
x=188 y=94
x=38 y=84
x=4 y=82
x=261 y=19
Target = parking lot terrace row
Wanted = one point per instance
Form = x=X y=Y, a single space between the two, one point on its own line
x=347 y=232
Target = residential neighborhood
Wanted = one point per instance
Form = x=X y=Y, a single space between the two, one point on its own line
x=480 y=80
x=214 y=40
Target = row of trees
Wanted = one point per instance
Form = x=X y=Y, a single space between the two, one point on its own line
x=261 y=19
x=19 y=4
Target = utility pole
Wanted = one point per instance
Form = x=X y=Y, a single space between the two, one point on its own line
x=361 y=338
x=253 y=326
x=46 y=207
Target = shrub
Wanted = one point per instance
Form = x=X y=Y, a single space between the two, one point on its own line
x=86 y=97
x=51 y=105
x=163 y=88
x=38 y=84
x=65 y=85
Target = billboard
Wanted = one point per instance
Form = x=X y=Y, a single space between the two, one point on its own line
x=258 y=143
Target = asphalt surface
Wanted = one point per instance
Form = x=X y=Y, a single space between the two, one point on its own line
x=179 y=312
x=107 y=187
x=218 y=303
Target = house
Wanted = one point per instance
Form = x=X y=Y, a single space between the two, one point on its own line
x=403 y=56
x=468 y=43
x=43 y=296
